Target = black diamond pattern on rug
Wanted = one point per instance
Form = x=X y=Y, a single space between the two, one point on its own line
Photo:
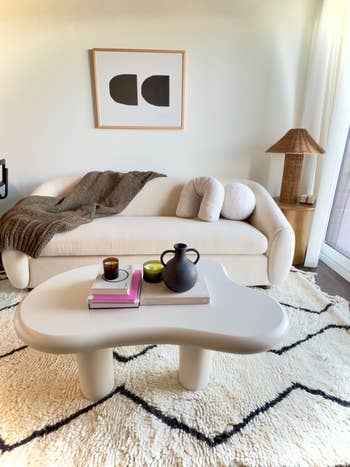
x=173 y=422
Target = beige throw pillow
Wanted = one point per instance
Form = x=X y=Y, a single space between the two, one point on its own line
x=202 y=196
x=239 y=202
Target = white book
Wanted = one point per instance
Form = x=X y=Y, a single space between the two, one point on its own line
x=159 y=294
x=104 y=306
x=119 y=286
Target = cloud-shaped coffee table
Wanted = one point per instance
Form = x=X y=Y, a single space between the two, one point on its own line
x=54 y=318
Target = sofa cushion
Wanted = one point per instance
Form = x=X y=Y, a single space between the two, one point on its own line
x=120 y=235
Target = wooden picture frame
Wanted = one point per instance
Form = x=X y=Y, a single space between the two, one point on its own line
x=129 y=95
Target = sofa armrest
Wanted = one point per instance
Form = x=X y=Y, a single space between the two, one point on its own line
x=269 y=219
x=16 y=265
x=56 y=187
x=15 y=262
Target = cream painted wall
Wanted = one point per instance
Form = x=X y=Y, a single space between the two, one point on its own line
x=246 y=63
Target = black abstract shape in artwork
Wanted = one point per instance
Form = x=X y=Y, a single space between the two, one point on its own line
x=155 y=90
x=123 y=89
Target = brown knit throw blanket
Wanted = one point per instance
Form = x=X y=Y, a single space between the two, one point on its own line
x=33 y=221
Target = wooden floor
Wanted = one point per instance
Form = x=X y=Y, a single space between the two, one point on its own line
x=330 y=281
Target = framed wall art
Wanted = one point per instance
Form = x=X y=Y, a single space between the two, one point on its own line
x=139 y=88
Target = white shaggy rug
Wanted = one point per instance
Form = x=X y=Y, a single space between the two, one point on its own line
x=287 y=407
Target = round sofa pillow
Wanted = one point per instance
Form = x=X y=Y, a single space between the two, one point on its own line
x=239 y=202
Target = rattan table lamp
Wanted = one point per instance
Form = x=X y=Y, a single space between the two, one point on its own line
x=294 y=144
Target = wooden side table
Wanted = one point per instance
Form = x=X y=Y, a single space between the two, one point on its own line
x=299 y=216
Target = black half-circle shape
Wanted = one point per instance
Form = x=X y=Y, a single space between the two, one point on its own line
x=155 y=90
x=123 y=89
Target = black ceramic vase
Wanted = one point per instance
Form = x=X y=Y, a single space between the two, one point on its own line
x=179 y=273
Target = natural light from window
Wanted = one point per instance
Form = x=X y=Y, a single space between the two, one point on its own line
x=338 y=232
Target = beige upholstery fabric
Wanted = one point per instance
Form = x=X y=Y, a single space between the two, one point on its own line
x=269 y=219
x=56 y=187
x=202 y=196
x=155 y=199
x=151 y=235
x=239 y=202
x=17 y=267
x=266 y=232
x=246 y=270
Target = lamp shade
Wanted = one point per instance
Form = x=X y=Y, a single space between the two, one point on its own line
x=296 y=141
x=294 y=144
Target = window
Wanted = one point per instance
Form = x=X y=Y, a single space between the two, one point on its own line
x=338 y=232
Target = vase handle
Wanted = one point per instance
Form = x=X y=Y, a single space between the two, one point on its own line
x=165 y=253
x=195 y=251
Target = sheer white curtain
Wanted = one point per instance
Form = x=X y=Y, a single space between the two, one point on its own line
x=326 y=113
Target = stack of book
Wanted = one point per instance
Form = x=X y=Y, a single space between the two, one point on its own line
x=123 y=293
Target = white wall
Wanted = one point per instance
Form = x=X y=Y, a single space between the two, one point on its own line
x=246 y=62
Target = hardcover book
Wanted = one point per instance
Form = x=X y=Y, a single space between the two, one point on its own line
x=119 y=286
x=159 y=294
x=131 y=300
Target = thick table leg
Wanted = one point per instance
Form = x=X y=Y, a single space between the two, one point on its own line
x=195 y=367
x=96 y=373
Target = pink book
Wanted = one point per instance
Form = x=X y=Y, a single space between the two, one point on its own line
x=132 y=296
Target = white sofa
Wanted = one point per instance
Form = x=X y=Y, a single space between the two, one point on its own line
x=258 y=251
